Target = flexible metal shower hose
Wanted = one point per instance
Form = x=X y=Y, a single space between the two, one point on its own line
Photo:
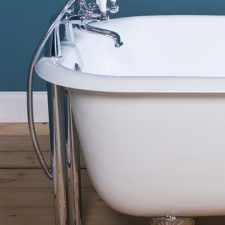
x=30 y=111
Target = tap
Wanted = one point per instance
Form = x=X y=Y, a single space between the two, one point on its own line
x=94 y=12
x=96 y=30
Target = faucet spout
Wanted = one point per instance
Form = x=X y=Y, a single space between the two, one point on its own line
x=96 y=30
x=115 y=36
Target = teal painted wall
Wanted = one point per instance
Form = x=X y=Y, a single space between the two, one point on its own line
x=23 y=22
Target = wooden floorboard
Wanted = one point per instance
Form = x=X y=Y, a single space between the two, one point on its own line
x=21 y=143
x=34 y=178
x=17 y=129
x=27 y=216
x=17 y=152
x=23 y=178
x=26 y=194
x=26 y=159
x=26 y=197
x=13 y=160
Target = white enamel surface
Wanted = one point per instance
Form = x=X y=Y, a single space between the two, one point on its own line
x=154 y=154
x=151 y=115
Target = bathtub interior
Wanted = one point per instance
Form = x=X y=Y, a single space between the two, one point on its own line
x=155 y=45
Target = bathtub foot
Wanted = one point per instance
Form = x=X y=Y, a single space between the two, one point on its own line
x=172 y=221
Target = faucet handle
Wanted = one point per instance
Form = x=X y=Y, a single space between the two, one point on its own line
x=102 y=4
x=114 y=7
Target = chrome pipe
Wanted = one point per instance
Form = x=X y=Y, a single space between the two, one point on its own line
x=96 y=30
x=73 y=170
x=59 y=156
x=65 y=162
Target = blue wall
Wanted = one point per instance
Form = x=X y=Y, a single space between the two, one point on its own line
x=23 y=22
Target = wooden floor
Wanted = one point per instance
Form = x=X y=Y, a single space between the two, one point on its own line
x=26 y=194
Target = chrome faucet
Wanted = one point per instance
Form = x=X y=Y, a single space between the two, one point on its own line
x=94 y=12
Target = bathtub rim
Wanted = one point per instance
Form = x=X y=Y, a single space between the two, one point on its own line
x=52 y=71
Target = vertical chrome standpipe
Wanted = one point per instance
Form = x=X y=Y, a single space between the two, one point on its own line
x=172 y=221
x=73 y=169
x=59 y=156
x=65 y=159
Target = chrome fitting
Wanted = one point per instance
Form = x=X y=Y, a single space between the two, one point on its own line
x=89 y=13
x=114 y=7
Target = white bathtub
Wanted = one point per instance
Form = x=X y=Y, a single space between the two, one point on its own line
x=151 y=115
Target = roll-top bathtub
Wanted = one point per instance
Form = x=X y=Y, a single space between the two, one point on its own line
x=150 y=115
